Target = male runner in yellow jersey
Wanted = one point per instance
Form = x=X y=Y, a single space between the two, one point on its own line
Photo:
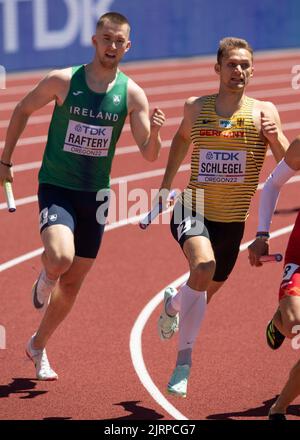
x=230 y=133
x=92 y=103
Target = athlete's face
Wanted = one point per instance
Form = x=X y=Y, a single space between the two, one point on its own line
x=111 y=41
x=236 y=69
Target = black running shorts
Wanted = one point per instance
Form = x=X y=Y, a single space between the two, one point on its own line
x=75 y=209
x=225 y=238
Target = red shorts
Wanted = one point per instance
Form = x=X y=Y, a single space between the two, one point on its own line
x=290 y=285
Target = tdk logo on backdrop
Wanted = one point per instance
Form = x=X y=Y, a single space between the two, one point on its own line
x=222 y=155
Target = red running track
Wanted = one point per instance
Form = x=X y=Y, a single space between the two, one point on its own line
x=235 y=375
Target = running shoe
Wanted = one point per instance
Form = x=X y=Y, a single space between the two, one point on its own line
x=273 y=335
x=276 y=416
x=41 y=293
x=41 y=363
x=167 y=325
x=179 y=380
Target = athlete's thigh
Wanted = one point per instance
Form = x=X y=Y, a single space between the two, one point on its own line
x=190 y=232
x=89 y=231
x=197 y=250
x=225 y=239
x=57 y=220
x=58 y=241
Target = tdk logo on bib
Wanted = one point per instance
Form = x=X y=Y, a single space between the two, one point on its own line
x=222 y=155
x=220 y=166
x=88 y=140
x=89 y=129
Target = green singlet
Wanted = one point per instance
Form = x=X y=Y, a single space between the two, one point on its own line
x=83 y=134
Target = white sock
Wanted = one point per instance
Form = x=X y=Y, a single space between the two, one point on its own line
x=45 y=280
x=34 y=351
x=45 y=286
x=191 y=314
x=173 y=305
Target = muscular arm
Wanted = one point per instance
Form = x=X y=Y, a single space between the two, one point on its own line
x=281 y=174
x=144 y=130
x=272 y=130
x=180 y=144
x=52 y=87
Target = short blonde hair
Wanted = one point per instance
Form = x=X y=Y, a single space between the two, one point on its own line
x=228 y=43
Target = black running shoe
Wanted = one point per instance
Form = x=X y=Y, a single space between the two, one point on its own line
x=277 y=416
x=273 y=335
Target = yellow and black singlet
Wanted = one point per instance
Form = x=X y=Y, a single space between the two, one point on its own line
x=226 y=161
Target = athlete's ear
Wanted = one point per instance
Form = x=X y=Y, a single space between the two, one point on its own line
x=252 y=71
x=128 y=46
x=217 y=68
x=94 y=42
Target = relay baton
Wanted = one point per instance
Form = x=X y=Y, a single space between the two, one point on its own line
x=271 y=258
x=11 y=205
x=155 y=211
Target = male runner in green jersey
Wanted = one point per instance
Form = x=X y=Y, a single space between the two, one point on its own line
x=91 y=105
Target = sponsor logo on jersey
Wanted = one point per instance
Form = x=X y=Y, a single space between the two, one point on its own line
x=206 y=121
x=225 y=123
x=219 y=133
x=116 y=99
x=240 y=122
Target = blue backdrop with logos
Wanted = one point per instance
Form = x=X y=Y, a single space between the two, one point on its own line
x=44 y=33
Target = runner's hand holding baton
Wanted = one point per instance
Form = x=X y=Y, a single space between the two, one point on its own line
x=7 y=185
x=271 y=258
x=11 y=205
x=155 y=211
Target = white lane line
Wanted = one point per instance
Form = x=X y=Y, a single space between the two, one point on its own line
x=43 y=119
x=33 y=140
x=197 y=71
x=194 y=68
x=110 y=227
x=135 y=346
x=260 y=60
x=20 y=259
x=133 y=178
x=174 y=103
x=20 y=202
x=135 y=343
x=114 y=181
x=119 y=152
x=174 y=88
x=27 y=166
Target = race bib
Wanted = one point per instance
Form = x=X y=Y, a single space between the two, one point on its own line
x=87 y=140
x=289 y=270
x=222 y=166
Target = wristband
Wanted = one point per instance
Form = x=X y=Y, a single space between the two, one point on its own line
x=264 y=235
x=9 y=165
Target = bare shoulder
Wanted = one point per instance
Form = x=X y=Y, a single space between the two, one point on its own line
x=195 y=102
x=54 y=86
x=267 y=107
x=136 y=96
x=58 y=77
x=59 y=81
x=193 y=107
